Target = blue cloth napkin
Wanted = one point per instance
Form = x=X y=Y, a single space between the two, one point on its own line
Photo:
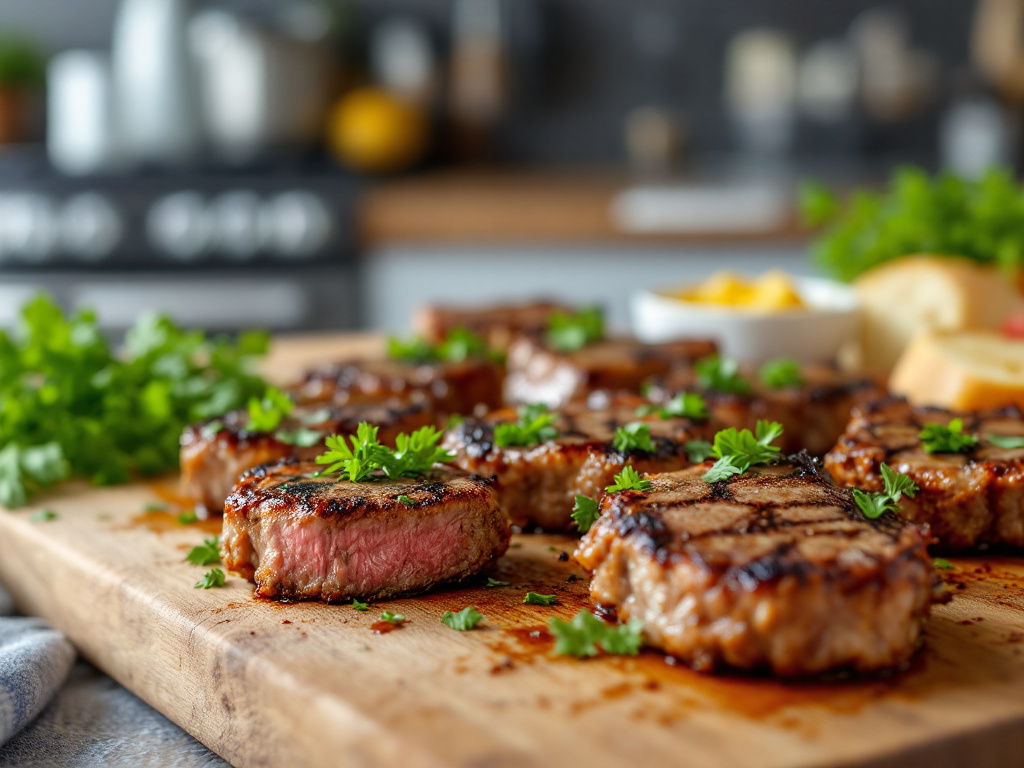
x=34 y=662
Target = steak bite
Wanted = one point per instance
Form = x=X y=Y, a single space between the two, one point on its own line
x=775 y=568
x=215 y=453
x=499 y=324
x=539 y=374
x=813 y=413
x=969 y=498
x=300 y=535
x=538 y=483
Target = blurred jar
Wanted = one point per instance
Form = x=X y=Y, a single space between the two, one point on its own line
x=81 y=134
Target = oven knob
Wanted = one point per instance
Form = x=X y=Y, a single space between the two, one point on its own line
x=28 y=227
x=180 y=226
x=236 y=224
x=91 y=227
x=296 y=225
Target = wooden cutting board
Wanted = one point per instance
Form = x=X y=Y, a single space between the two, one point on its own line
x=312 y=685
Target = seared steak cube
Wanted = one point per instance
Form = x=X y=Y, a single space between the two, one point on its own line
x=499 y=324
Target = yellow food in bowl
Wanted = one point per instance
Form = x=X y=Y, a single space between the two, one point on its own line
x=771 y=292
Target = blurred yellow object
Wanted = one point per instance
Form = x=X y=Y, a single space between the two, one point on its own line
x=772 y=292
x=372 y=130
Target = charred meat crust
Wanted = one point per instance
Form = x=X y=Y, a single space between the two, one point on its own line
x=773 y=569
x=968 y=499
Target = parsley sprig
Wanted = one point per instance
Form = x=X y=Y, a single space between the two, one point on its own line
x=460 y=344
x=635 y=436
x=207 y=553
x=936 y=438
x=267 y=413
x=781 y=373
x=212 y=579
x=584 y=512
x=535 y=426
x=535 y=598
x=685 y=405
x=586 y=634
x=413 y=455
x=570 y=332
x=462 y=621
x=1008 y=442
x=628 y=480
x=720 y=375
x=874 y=505
x=739 y=450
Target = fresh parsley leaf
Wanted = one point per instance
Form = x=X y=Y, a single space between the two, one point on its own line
x=211 y=579
x=212 y=428
x=533 y=598
x=460 y=344
x=24 y=470
x=360 y=606
x=698 y=450
x=739 y=450
x=535 y=426
x=720 y=375
x=391 y=618
x=949 y=439
x=301 y=437
x=628 y=480
x=780 y=373
x=43 y=516
x=358 y=462
x=188 y=516
x=685 y=405
x=570 y=332
x=416 y=454
x=267 y=413
x=584 y=512
x=585 y=634
x=496 y=583
x=462 y=621
x=207 y=553
x=154 y=506
x=1009 y=442
x=635 y=436
x=943 y=563
x=406 y=500
x=895 y=486
x=414 y=350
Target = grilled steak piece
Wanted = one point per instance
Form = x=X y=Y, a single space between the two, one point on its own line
x=499 y=324
x=813 y=414
x=303 y=537
x=537 y=483
x=448 y=388
x=538 y=374
x=215 y=453
x=969 y=498
x=775 y=569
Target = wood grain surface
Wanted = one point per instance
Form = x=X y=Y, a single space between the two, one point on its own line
x=265 y=684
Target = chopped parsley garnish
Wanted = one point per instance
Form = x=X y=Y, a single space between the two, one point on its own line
x=685 y=405
x=462 y=621
x=207 y=553
x=780 y=373
x=211 y=429
x=635 y=436
x=211 y=579
x=43 y=516
x=534 y=427
x=496 y=583
x=569 y=332
x=739 y=450
x=412 y=456
x=584 y=512
x=628 y=480
x=154 y=506
x=414 y=350
x=460 y=344
x=301 y=437
x=391 y=618
x=720 y=375
x=1009 y=442
x=533 y=598
x=267 y=413
x=73 y=405
x=949 y=439
x=585 y=634
x=874 y=505
x=188 y=516
x=698 y=450
x=360 y=606
x=406 y=500
x=943 y=563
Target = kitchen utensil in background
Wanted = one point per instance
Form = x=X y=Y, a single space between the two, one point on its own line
x=403 y=60
x=760 y=90
x=82 y=135
x=157 y=101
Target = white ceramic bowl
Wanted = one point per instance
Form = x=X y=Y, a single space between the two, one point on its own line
x=813 y=334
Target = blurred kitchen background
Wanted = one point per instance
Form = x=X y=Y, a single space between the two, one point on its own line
x=330 y=164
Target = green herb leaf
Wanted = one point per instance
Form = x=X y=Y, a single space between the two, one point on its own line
x=154 y=506
x=585 y=634
x=1009 y=442
x=535 y=426
x=685 y=405
x=941 y=562
x=462 y=621
x=584 y=512
x=206 y=553
x=533 y=598
x=570 y=332
x=635 y=436
x=212 y=428
x=628 y=480
x=25 y=470
x=267 y=413
x=739 y=450
x=189 y=516
x=949 y=439
x=416 y=454
x=460 y=344
x=495 y=583
x=720 y=375
x=391 y=618
x=360 y=606
x=698 y=450
x=780 y=373
x=301 y=437
x=211 y=579
x=43 y=516
x=414 y=350
x=624 y=639
x=895 y=486
x=406 y=500
x=358 y=462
